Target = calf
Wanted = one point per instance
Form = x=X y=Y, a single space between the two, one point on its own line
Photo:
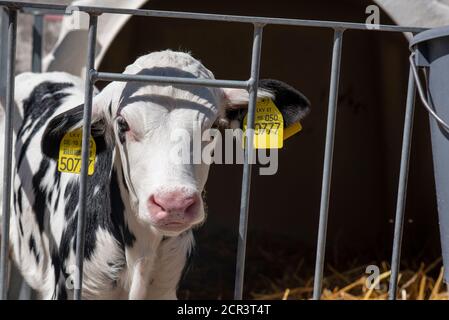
x=141 y=207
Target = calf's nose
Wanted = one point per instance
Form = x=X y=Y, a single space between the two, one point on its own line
x=174 y=205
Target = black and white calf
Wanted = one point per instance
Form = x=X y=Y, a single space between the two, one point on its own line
x=141 y=206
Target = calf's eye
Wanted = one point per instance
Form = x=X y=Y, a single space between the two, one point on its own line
x=123 y=127
x=122 y=124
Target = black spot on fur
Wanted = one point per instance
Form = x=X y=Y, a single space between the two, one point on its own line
x=128 y=236
x=19 y=199
x=49 y=195
x=42 y=103
x=39 y=205
x=118 y=208
x=21 y=227
x=66 y=239
x=15 y=203
x=58 y=195
x=58 y=180
x=33 y=249
x=47 y=95
x=71 y=196
x=56 y=263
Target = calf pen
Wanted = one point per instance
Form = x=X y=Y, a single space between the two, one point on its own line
x=93 y=75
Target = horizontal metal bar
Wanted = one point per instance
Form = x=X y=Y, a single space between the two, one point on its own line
x=42 y=12
x=217 y=17
x=105 y=76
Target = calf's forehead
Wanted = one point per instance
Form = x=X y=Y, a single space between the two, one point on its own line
x=169 y=113
x=163 y=62
x=172 y=102
x=170 y=64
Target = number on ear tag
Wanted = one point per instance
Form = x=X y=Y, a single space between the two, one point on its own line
x=70 y=153
x=268 y=126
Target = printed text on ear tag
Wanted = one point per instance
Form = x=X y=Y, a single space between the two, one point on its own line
x=70 y=153
x=268 y=126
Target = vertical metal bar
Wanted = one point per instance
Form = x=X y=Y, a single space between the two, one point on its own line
x=328 y=159
x=247 y=169
x=87 y=117
x=36 y=66
x=26 y=292
x=3 y=53
x=38 y=31
x=7 y=165
x=402 y=189
x=3 y=75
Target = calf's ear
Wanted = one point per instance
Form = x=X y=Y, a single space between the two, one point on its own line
x=68 y=121
x=293 y=105
x=72 y=119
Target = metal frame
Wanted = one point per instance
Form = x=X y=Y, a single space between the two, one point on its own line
x=251 y=85
x=7 y=163
x=402 y=189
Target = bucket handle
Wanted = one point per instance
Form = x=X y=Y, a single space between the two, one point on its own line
x=423 y=95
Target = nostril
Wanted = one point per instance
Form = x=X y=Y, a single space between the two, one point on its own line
x=156 y=203
x=188 y=202
x=191 y=206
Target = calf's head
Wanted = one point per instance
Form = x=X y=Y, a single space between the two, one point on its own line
x=139 y=120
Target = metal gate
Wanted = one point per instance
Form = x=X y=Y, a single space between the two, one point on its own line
x=9 y=34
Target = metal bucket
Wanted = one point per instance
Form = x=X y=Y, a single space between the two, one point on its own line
x=431 y=52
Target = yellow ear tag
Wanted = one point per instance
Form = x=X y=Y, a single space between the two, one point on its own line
x=292 y=130
x=70 y=153
x=268 y=126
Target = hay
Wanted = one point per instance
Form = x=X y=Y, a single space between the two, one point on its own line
x=277 y=269
x=349 y=285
